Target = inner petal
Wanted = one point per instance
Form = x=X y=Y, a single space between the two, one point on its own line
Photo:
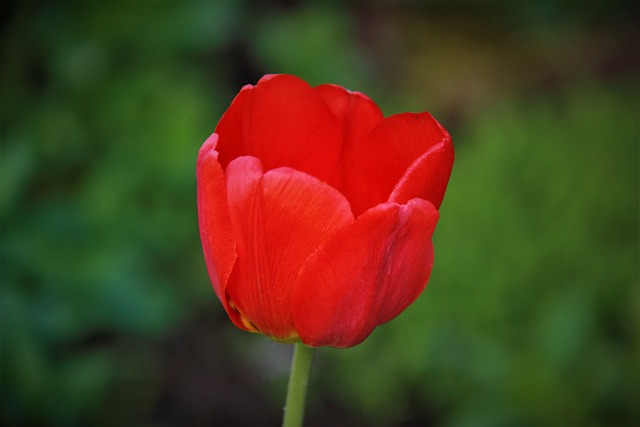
x=282 y=122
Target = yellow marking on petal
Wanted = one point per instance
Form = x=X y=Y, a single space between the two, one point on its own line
x=294 y=337
x=251 y=327
x=245 y=322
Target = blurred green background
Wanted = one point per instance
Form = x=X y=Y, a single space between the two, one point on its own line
x=531 y=316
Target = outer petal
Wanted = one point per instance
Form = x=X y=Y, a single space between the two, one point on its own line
x=391 y=148
x=283 y=122
x=427 y=177
x=218 y=242
x=279 y=219
x=365 y=275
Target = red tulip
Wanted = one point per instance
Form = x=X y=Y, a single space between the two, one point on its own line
x=316 y=213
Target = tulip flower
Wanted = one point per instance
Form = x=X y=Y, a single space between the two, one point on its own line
x=316 y=213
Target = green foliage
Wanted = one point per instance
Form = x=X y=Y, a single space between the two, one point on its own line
x=99 y=231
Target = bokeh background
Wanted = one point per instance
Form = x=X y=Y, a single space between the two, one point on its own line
x=531 y=316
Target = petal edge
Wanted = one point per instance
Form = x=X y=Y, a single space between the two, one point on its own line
x=216 y=234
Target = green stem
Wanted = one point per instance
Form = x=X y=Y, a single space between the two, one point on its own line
x=298 y=380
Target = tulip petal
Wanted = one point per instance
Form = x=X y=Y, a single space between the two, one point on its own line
x=356 y=112
x=427 y=177
x=357 y=115
x=365 y=275
x=216 y=234
x=391 y=147
x=283 y=122
x=279 y=218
